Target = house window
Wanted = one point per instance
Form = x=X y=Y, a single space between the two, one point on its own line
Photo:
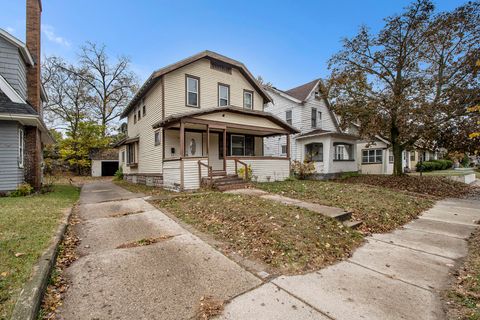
x=288 y=117
x=144 y=110
x=192 y=92
x=135 y=118
x=123 y=156
x=237 y=145
x=390 y=156
x=139 y=115
x=284 y=149
x=314 y=117
x=247 y=99
x=223 y=94
x=343 y=151
x=21 y=147
x=412 y=156
x=372 y=156
x=314 y=152
x=157 y=138
x=131 y=153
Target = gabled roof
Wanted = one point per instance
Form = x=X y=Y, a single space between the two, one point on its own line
x=20 y=45
x=204 y=54
x=269 y=116
x=321 y=132
x=303 y=92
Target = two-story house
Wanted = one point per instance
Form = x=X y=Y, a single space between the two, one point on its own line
x=200 y=119
x=320 y=139
x=22 y=129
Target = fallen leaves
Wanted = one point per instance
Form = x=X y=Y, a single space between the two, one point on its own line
x=19 y=254
x=144 y=242
x=209 y=307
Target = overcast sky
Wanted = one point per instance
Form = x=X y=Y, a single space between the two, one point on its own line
x=286 y=42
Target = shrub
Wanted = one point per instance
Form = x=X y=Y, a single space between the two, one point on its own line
x=302 y=170
x=241 y=173
x=22 y=190
x=434 y=165
x=119 y=174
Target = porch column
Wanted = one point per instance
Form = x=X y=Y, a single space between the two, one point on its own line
x=225 y=149
x=182 y=139
x=288 y=146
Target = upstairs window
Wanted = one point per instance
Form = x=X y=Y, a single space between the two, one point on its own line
x=139 y=115
x=223 y=94
x=284 y=149
x=314 y=117
x=21 y=147
x=314 y=152
x=192 y=94
x=135 y=118
x=144 y=110
x=248 y=99
x=288 y=117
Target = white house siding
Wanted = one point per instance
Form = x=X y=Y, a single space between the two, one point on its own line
x=149 y=155
x=13 y=68
x=327 y=122
x=171 y=174
x=264 y=170
x=122 y=160
x=96 y=168
x=11 y=175
x=320 y=166
x=342 y=166
x=209 y=79
x=191 y=179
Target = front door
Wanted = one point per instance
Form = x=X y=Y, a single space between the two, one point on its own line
x=215 y=158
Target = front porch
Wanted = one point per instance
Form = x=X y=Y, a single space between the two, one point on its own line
x=220 y=142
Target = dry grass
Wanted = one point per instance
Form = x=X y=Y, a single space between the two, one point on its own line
x=463 y=299
x=380 y=209
x=209 y=307
x=288 y=239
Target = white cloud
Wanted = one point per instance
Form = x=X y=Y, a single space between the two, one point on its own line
x=49 y=32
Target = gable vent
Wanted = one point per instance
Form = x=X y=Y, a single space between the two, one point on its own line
x=222 y=67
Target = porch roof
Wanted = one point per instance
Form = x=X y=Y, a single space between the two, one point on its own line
x=321 y=132
x=175 y=119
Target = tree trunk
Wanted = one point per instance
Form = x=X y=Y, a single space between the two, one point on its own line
x=397 y=152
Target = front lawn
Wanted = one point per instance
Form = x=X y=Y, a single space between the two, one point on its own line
x=288 y=239
x=380 y=209
x=464 y=296
x=27 y=225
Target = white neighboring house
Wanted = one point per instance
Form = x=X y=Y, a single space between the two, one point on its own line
x=320 y=139
x=376 y=157
x=199 y=121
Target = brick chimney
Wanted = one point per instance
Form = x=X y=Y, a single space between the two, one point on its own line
x=33 y=144
x=34 y=12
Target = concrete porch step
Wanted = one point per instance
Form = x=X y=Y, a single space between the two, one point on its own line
x=227 y=187
x=354 y=224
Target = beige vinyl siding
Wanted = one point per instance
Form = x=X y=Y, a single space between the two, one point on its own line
x=236 y=118
x=191 y=179
x=264 y=170
x=149 y=155
x=372 y=168
x=209 y=79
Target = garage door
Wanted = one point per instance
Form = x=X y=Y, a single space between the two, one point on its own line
x=109 y=168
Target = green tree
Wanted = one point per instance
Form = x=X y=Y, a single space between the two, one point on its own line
x=75 y=150
x=411 y=78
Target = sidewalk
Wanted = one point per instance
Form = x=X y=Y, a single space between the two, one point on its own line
x=393 y=276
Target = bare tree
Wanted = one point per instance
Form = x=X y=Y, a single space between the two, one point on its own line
x=411 y=78
x=113 y=84
x=69 y=95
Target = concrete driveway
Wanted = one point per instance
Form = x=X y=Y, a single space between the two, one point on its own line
x=165 y=280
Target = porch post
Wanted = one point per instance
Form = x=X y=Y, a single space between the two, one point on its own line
x=225 y=149
x=182 y=139
x=288 y=146
x=208 y=144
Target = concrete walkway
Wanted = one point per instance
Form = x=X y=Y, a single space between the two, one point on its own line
x=393 y=276
x=165 y=280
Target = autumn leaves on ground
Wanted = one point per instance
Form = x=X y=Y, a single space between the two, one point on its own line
x=294 y=240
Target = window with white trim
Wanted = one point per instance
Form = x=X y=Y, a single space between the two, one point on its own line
x=192 y=87
x=157 y=137
x=223 y=95
x=284 y=149
x=288 y=117
x=343 y=151
x=390 y=156
x=248 y=99
x=21 y=147
x=372 y=156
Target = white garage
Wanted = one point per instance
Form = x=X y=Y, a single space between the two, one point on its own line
x=104 y=162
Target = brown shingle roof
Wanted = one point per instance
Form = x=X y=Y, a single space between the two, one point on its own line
x=301 y=92
x=104 y=154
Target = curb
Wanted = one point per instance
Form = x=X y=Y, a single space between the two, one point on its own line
x=30 y=299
